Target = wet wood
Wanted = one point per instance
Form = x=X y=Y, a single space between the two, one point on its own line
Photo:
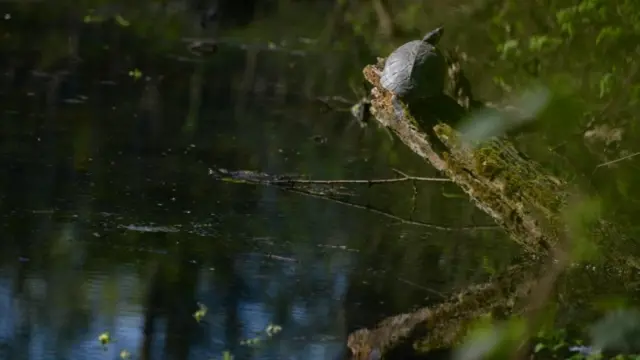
x=518 y=193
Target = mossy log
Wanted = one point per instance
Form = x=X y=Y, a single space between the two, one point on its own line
x=515 y=191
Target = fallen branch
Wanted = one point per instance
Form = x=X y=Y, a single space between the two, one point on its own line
x=253 y=176
x=397 y=218
x=360 y=181
x=286 y=184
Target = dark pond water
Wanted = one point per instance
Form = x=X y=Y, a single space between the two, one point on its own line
x=112 y=223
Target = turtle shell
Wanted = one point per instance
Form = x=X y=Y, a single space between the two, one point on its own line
x=415 y=69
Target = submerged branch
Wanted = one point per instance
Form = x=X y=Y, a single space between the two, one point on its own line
x=256 y=177
x=287 y=183
x=398 y=218
x=361 y=181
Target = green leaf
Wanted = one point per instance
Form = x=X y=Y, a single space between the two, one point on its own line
x=540 y=42
x=509 y=46
x=122 y=21
x=566 y=15
x=608 y=33
x=606 y=83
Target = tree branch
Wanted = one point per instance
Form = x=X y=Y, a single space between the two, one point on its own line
x=392 y=216
x=250 y=177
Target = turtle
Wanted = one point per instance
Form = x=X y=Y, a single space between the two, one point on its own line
x=415 y=70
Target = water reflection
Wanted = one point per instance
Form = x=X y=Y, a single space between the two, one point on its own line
x=111 y=221
x=131 y=249
x=59 y=302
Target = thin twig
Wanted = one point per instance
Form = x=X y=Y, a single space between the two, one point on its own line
x=360 y=181
x=285 y=185
x=392 y=216
x=325 y=101
x=414 y=196
x=432 y=291
x=616 y=160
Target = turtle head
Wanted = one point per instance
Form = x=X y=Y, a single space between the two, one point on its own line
x=434 y=36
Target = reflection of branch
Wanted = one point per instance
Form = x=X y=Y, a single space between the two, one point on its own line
x=327 y=105
x=390 y=215
x=414 y=196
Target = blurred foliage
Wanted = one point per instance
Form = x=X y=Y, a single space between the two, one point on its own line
x=612 y=337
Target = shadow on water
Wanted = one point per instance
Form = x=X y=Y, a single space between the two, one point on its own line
x=112 y=223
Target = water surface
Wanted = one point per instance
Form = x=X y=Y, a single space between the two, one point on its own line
x=112 y=223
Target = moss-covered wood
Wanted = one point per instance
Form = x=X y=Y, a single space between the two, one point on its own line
x=515 y=191
x=518 y=193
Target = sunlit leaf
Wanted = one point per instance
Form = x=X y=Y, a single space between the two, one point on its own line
x=587 y=5
x=104 y=338
x=606 y=83
x=565 y=15
x=509 y=47
x=608 y=33
x=135 y=74
x=121 y=21
x=201 y=312
x=540 y=42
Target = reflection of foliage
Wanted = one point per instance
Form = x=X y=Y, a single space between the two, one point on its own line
x=104 y=338
x=125 y=355
x=136 y=74
x=613 y=337
x=200 y=313
x=333 y=190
